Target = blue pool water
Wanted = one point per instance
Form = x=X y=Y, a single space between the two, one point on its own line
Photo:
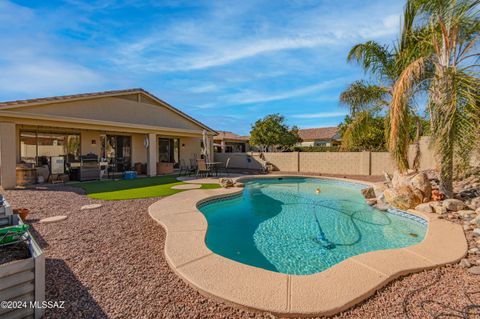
x=283 y=225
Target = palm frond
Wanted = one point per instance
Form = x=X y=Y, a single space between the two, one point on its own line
x=361 y=96
x=374 y=58
x=399 y=111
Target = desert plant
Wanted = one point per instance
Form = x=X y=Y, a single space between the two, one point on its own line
x=446 y=69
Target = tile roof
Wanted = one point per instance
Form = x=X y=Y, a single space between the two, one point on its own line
x=319 y=133
x=72 y=97
x=226 y=135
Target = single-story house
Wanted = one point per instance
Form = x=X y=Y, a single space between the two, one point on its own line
x=118 y=130
x=228 y=142
x=320 y=136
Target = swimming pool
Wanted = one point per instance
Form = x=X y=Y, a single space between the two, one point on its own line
x=284 y=225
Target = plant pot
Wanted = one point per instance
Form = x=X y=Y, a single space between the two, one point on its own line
x=23 y=212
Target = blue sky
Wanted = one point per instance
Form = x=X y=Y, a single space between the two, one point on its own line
x=227 y=63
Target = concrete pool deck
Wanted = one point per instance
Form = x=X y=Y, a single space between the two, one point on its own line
x=324 y=293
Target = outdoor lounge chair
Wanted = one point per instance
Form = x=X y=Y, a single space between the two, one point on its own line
x=202 y=168
x=13 y=234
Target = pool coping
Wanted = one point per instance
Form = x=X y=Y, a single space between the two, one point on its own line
x=323 y=294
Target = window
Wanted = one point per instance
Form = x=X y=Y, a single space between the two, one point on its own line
x=37 y=146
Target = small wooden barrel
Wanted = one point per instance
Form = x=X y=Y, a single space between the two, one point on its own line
x=26 y=176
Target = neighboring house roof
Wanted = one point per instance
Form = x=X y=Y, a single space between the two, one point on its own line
x=86 y=96
x=226 y=135
x=319 y=133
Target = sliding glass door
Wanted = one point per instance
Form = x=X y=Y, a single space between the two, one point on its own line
x=169 y=151
x=117 y=150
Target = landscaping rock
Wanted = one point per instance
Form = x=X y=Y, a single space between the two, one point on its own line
x=53 y=219
x=474 y=270
x=453 y=204
x=438 y=208
x=475 y=221
x=425 y=207
x=226 y=182
x=382 y=206
x=379 y=188
x=473 y=250
x=437 y=195
x=466 y=214
x=241 y=185
x=464 y=263
x=402 y=197
x=475 y=203
x=91 y=206
x=476 y=232
x=420 y=181
x=371 y=201
x=368 y=192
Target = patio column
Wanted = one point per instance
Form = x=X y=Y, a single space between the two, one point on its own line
x=152 y=154
x=222 y=146
x=8 y=151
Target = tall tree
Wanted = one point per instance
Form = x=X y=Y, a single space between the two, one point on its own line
x=446 y=69
x=271 y=133
x=366 y=100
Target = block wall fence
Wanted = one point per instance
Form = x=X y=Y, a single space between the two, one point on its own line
x=348 y=163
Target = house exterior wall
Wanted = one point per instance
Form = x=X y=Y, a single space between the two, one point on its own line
x=139 y=151
x=8 y=142
x=307 y=143
x=86 y=145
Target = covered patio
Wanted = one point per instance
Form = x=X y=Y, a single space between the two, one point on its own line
x=93 y=136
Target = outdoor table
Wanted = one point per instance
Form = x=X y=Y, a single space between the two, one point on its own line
x=213 y=166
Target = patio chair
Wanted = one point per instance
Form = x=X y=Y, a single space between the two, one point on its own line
x=193 y=164
x=202 y=168
x=13 y=234
x=184 y=169
x=225 y=168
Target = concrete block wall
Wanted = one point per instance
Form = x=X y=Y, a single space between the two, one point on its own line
x=285 y=162
x=352 y=163
x=348 y=163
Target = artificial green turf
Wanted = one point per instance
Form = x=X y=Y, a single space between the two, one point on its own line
x=137 y=188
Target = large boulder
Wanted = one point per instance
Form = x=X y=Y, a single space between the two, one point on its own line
x=414 y=181
x=453 y=204
x=420 y=181
x=403 y=197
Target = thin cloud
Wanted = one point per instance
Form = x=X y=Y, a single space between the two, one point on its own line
x=197 y=44
x=251 y=97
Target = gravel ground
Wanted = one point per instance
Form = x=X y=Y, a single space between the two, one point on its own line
x=109 y=262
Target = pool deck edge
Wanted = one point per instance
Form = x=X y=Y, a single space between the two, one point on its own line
x=325 y=293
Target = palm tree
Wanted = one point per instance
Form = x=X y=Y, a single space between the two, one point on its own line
x=365 y=99
x=446 y=69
